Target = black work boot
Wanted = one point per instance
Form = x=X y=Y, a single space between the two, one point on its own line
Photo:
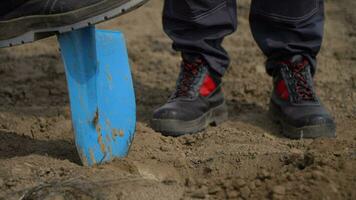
x=294 y=103
x=23 y=21
x=196 y=103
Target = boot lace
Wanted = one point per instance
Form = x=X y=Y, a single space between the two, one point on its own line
x=189 y=72
x=303 y=89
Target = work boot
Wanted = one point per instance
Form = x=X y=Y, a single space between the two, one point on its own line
x=23 y=21
x=196 y=103
x=294 y=103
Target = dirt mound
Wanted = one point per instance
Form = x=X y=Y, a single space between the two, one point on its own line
x=245 y=158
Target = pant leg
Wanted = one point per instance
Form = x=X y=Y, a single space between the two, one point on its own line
x=287 y=27
x=198 y=27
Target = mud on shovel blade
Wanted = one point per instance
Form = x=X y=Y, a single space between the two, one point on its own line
x=101 y=93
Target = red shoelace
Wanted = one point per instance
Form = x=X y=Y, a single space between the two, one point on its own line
x=189 y=72
x=302 y=88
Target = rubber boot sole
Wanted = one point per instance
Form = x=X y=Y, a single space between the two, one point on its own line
x=31 y=28
x=327 y=130
x=175 y=128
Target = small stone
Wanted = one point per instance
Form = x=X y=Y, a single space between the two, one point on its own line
x=317 y=175
x=189 y=140
x=214 y=190
x=260 y=69
x=264 y=174
x=252 y=186
x=163 y=148
x=169 y=182
x=296 y=151
x=308 y=176
x=164 y=139
x=188 y=182
x=10 y=182
x=337 y=154
x=4 y=126
x=258 y=183
x=245 y=192
x=334 y=187
x=290 y=177
x=179 y=163
x=200 y=194
x=202 y=183
x=208 y=170
x=280 y=190
x=239 y=183
x=233 y=194
x=268 y=136
x=42 y=120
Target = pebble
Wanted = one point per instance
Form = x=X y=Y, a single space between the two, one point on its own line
x=280 y=190
x=189 y=141
x=214 y=190
x=233 y=194
x=164 y=139
x=258 y=183
x=296 y=152
x=179 y=163
x=252 y=186
x=4 y=126
x=264 y=174
x=42 y=121
x=169 y=182
x=333 y=187
x=188 y=182
x=245 y=192
x=164 y=148
x=268 y=136
x=200 y=194
x=317 y=175
x=10 y=183
x=290 y=177
x=239 y=183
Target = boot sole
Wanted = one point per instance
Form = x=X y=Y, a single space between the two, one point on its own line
x=31 y=28
x=307 y=132
x=177 y=128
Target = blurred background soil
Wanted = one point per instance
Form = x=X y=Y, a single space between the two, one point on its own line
x=245 y=158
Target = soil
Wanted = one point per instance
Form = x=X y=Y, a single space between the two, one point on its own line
x=245 y=158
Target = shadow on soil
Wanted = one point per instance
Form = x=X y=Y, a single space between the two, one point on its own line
x=13 y=145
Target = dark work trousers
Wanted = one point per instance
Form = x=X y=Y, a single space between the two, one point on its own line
x=281 y=28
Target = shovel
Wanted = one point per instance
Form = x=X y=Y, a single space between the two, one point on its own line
x=102 y=98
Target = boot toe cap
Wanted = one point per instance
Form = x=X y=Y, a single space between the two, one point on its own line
x=165 y=114
x=174 y=114
x=314 y=120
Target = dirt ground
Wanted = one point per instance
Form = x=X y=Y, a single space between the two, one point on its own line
x=245 y=158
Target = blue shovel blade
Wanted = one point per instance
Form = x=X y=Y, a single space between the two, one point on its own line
x=101 y=93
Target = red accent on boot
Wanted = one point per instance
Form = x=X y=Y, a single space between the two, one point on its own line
x=208 y=86
x=282 y=90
